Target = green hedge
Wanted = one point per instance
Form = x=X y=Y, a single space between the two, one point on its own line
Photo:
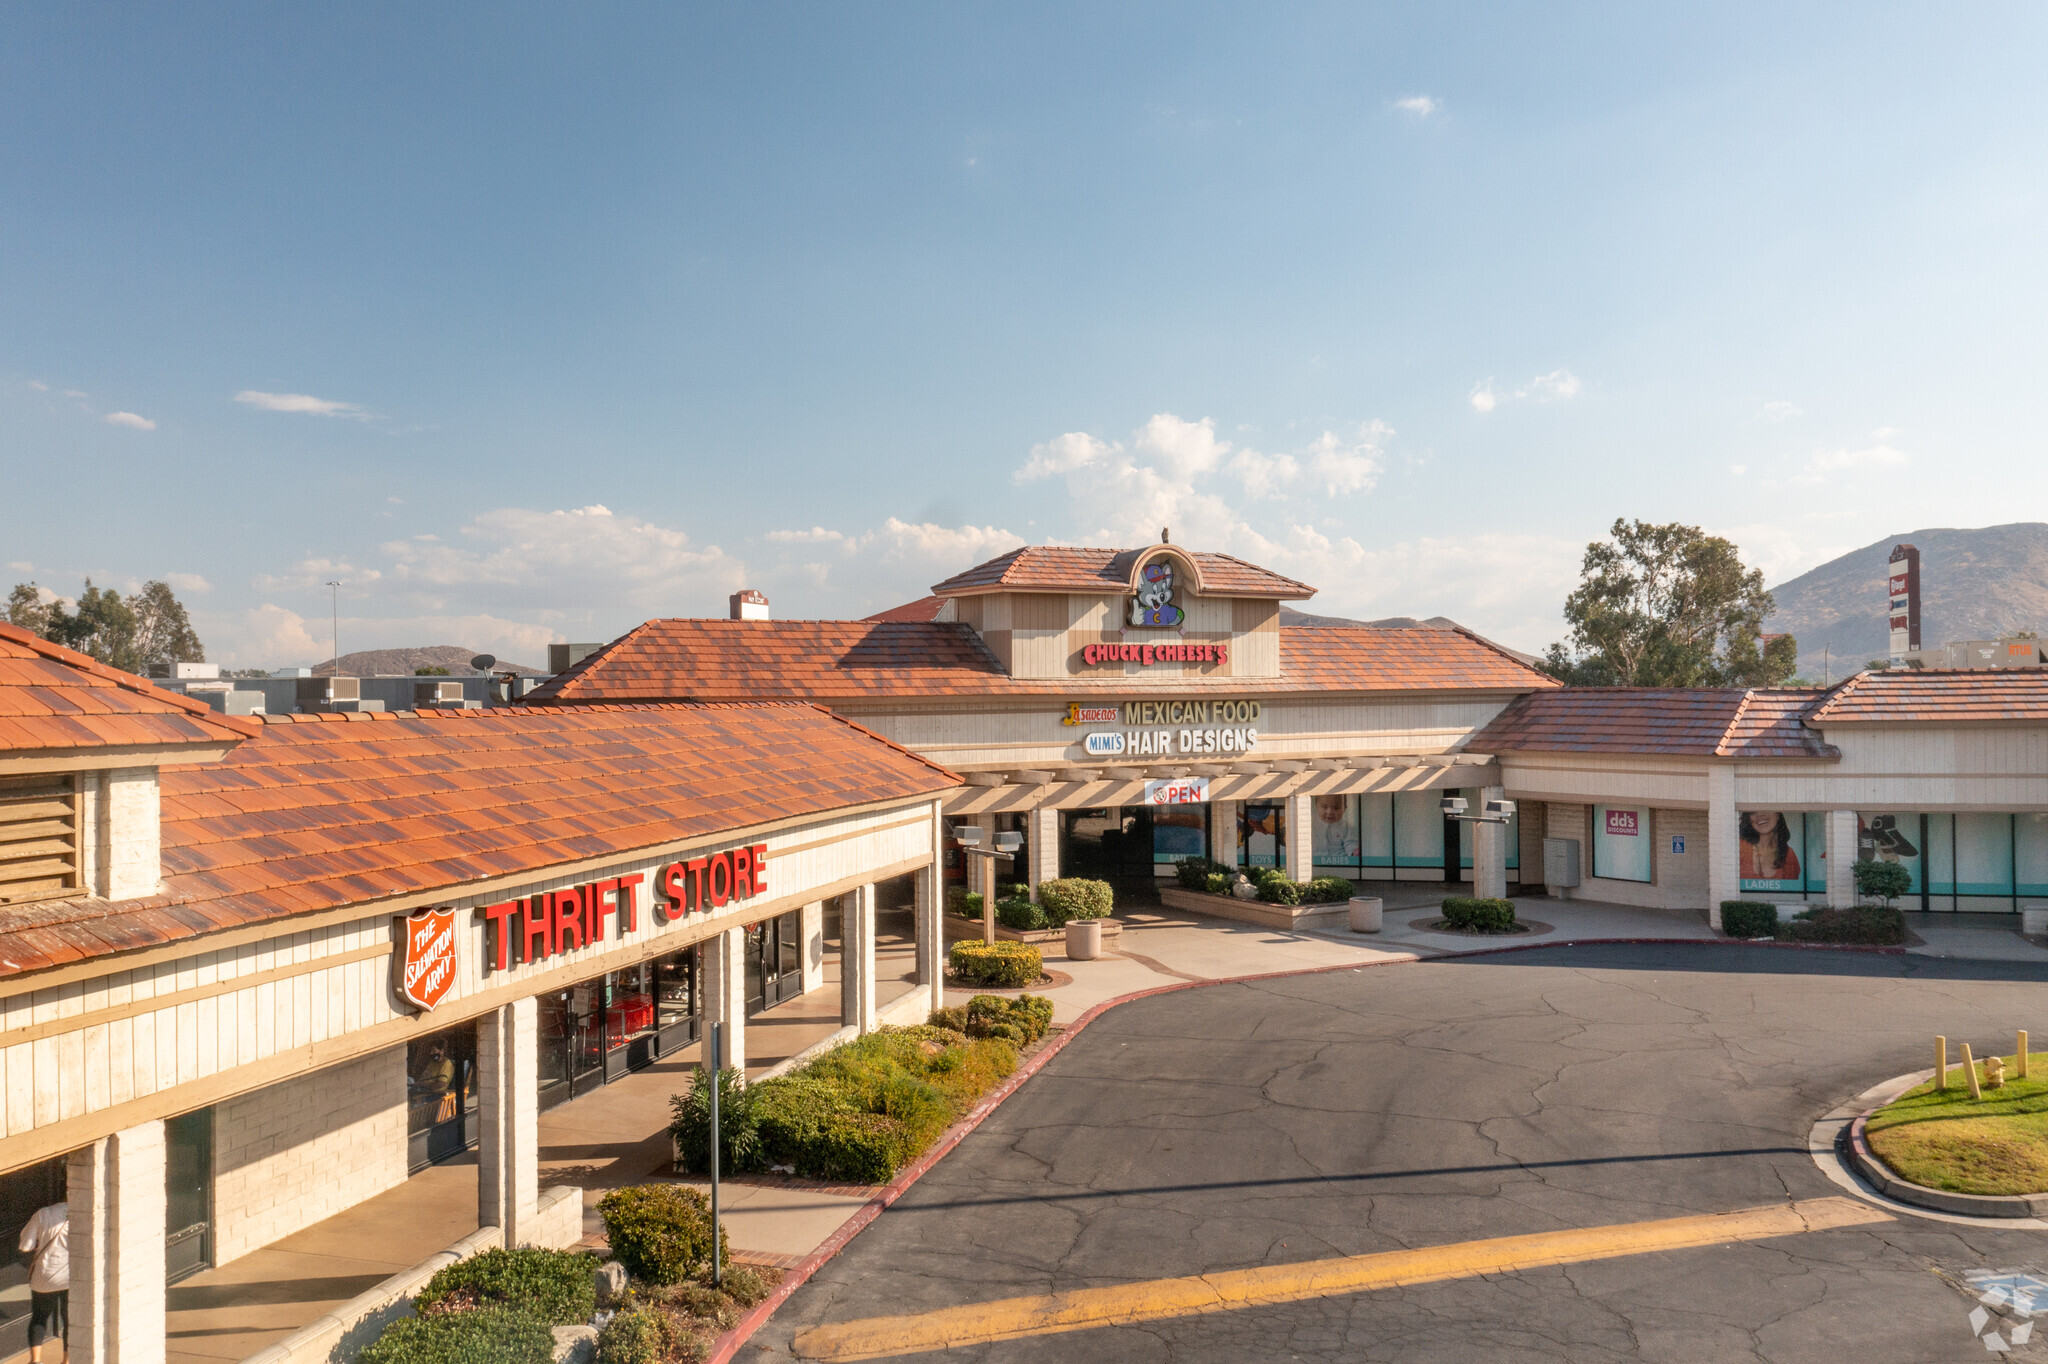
x=1886 y=881
x=1021 y=915
x=1868 y=924
x=633 y=1336
x=491 y=1335
x=1073 y=897
x=739 y=1143
x=1329 y=890
x=661 y=1233
x=1278 y=890
x=554 y=1285
x=999 y=964
x=1476 y=914
x=1194 y=873
x=963 y=902
x=1749 y=918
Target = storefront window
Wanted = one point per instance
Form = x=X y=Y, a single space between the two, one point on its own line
x=23 y=1193
x=1178 y=833
x=1261 y=834
x=630 y=1013
x=1419 y=829
x=1621 y=842
x=1983 y=854
x=1376 y=831
x=1939 y=854
x=1334 y=834
x=440 y=1095
x=1888 y=838
x=675 y=995
x=2030 y=854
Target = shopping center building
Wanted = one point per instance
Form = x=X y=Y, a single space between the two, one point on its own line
x=253 y=973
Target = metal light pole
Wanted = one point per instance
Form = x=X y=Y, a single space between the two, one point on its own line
x=717 y=1046
x=334 y=606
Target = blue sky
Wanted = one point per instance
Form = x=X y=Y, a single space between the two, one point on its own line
x=530 y=323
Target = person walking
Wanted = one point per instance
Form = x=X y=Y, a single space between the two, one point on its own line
x=46 y=1240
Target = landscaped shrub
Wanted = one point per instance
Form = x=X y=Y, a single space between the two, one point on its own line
x=1278 y=890
x=1072 y=897
x=1475 y=914
x=1021 y=1021
x=1195 y=873
x=999 y=964
x=963 y=902
x=739 y=1143
x=1217 y=883
x=1325 y=890
x=554 y=1285
x=491 y=1335
x=792 y=1112
x=1020 y=915
x=893 y=1092
x=1867 y=924
x=1885 y=881
x=660 y=1232
x=633 y=1336
x=1748 y=918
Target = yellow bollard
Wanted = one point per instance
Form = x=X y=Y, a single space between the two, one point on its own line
x=1970 y=1069
x=1941 y=1063
x=2020 y=1056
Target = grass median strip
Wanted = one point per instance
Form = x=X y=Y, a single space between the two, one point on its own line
x=1085 y=1309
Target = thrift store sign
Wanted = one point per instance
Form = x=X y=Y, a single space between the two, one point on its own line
x=427 y=966
x=537 y=927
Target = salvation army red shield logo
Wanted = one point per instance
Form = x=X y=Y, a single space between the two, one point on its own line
x=428 y=966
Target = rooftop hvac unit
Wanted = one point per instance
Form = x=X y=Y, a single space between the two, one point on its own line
x=562 y=657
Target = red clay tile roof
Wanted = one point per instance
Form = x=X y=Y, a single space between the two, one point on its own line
x=923 y=609
x=1938 y=696
x=827 y=661
x=55 y=700
x=1693 y=722
x=325 y=811
x=1057 y=568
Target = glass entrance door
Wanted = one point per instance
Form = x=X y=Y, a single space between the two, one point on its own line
x=773 y=972
x=628 y=1020
x=188 y=1194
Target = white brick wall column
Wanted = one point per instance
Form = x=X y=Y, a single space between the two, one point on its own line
x=725 y=994
x=115 y=1192
x=1489 y=850
x=1724 y=841
x=857 y=960
x=1300 y=813
x=1225 y=820
x=812 y=957
x=1044 y=836
x=508 y=1112
x=929 y=916
x=128 y=829
x=1841 y=857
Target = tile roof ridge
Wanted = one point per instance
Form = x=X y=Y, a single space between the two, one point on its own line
x=1483 y=642
x=126 y=681
x=558 y=683
x=1723 y=744
x=855 y=725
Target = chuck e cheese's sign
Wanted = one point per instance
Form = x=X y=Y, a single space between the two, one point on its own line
x=536 y=927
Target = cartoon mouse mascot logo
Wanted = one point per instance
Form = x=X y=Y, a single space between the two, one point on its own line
x=1154 y=603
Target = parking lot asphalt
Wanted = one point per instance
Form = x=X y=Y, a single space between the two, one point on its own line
x=1504 y=1158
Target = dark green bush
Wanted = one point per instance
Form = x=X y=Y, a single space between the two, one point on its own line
x=633 y=1336
x=739 y=1141
x=661 y=1233
x=1748 y=918
x=1020 y=915
x=1028 y=1015
x=963 y=902
x=1074 y=897
x=1475 y=914
x=1867 y=924
x=953 y=1018
x=1194 y=872
x=1000 y=964
x=1218 y=883
x=1885 y=881
x=491 y=1335
x=793 y=1113
x=1325 y=890
x=554 y=1285
x=1278 y=890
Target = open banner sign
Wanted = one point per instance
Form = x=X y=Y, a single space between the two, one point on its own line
x=1183 y=791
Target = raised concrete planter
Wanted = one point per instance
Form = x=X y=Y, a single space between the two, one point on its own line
x=1366 y=913
x=1084 y=939
x=1880 y=1177
x=958 y=929
x=2034 y=921
x=1324 y=916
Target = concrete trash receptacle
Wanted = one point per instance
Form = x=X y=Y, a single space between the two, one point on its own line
x=1365 y=913
x=1084 y=939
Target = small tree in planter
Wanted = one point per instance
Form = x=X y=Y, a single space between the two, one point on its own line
x=1886 y=881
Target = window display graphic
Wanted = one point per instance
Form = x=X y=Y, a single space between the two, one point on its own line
x=1770 y=850
x=1334 y=832
x=1153 y=605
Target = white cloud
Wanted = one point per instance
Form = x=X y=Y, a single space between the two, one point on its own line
x=129 y=419
x=1557 y=386
x=1180 y=447
x=304 y=403
x=954 y=547
x=1421 y=106
x=313 y=571
x=1263 y=476
x=816 y=535
x=1061 y=455
x=74 y=393
x=1826 y=462
x=1886 y=433
x=1738 y=469
x=188 y=582
x=21 y=567
x=1779 y=411
x=272 y=636
x=39 y=386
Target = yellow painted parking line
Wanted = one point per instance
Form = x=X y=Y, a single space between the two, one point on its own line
x=1084 y=1309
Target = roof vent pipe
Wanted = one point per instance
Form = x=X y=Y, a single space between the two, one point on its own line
x=747 y=604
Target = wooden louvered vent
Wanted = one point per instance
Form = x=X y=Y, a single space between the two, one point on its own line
x=41 y=842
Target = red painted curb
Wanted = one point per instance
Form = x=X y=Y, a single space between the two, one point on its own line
x=743 y=1330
